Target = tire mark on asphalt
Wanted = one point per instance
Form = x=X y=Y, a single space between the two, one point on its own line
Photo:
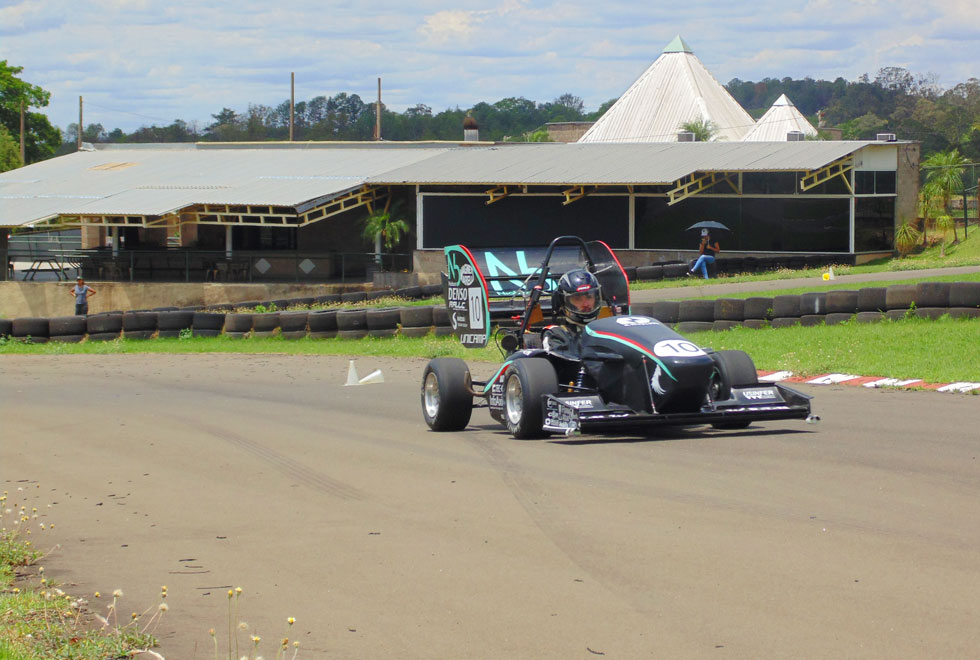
x=287 y=466
x=549 y=520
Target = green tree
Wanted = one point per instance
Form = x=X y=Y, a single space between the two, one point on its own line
x=385 y=229
x=704 y=129
x=9 y=151
x=944 y=173
x=41 y=139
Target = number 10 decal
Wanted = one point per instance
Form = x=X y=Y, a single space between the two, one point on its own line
x=477 y=321
x=676 y=348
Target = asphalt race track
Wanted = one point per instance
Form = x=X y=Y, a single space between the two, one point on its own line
x=854 y=538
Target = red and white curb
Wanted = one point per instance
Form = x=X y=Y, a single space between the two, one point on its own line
x=873 y=382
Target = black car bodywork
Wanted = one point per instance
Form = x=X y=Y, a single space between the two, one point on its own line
x=619 y=372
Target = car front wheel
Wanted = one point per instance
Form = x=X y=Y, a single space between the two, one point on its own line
x=525 y=384
x=447 y=404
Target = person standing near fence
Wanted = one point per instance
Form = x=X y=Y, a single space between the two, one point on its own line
x=81 y=292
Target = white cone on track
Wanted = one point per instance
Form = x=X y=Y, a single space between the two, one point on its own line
x=831 y=271
x=351 y=375
x=374 y=377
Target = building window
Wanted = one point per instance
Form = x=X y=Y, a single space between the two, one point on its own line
x=867 y=182
x=874 y=224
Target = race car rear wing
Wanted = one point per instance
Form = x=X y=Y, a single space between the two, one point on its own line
x=486 y=285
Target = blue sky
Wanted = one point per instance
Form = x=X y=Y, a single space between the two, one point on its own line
x=143 y=62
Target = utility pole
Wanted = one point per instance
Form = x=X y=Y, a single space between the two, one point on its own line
x=23 y=158
x=79 y=123
x=377 y=114
x=292 y=103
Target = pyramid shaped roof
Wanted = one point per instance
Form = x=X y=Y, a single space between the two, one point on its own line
x=779 y=120
x=675 y=89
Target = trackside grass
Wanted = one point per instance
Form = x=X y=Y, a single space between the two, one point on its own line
x=934 y=350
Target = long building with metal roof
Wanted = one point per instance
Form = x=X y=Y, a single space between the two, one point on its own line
x=830 y=197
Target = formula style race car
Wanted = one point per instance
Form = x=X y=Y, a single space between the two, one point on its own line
x=614 y=372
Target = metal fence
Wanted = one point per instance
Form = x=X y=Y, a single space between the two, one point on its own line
x=183 y=265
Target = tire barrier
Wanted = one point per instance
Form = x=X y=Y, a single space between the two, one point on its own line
x=293 y=324
x=329 y=299
x=139 y=325
x=30 y=328
x=431 y=290
x=67 y=326
x=759 y=308
x=265 y=325
x=171 y=324
x=323 y=324
x=380 y=293
x=964 y=294
x=702 y=311
x=353 y=297
x=729 y=309
x=813 y=303
x=872 y=299
x=925 y=300
x=352 y=323
x=207 y=324
x=785 y=306
x=104 y=327
x=842 y=302
x=650 y=273
x=899 y=297
x=932 y=294
x=409 y=292
x=666 y=311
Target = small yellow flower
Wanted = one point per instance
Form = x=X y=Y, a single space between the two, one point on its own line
x=238 y=591
x=135 y=616
x=98 y=595
x=163 y=607
x=230 y=593
x=16 y=590
x=290 y=620
x=117 y=593
x=211 y=632
x=256 y=639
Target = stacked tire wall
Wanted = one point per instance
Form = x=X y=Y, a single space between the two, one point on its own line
x=927 y=300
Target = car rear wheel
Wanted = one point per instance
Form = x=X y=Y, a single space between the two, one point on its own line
x=732 y=369
x=525 y=384
x=447 y=404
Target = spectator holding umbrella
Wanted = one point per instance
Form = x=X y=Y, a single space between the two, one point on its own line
x=708 y=250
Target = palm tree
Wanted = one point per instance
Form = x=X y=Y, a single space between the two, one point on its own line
x=385 y=230
x=704 y=129
x=944 y=170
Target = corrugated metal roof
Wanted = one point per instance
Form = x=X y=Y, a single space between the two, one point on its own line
x=779 y=120
x=612 y=164
x=150 y=180
x=676 y=88
x=154 y=181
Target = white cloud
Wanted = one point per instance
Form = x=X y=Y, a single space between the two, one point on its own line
x=139 y=62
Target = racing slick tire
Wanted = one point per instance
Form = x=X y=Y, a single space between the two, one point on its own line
x=446 y=403
x=525 y=384
x=733 y=369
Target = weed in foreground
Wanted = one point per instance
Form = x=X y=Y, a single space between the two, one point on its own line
x=38 y=619
x=237 y=628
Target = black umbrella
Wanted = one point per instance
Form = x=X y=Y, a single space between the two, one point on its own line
x=707 y=224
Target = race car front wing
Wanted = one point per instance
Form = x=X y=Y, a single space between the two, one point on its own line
x=574 y=413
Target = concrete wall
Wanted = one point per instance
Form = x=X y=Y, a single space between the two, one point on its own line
x=907 y=184
x=51 y=299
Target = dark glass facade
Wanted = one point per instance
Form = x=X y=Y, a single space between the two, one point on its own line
x=522 y=221
x=756 y=224
x=874 y=224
